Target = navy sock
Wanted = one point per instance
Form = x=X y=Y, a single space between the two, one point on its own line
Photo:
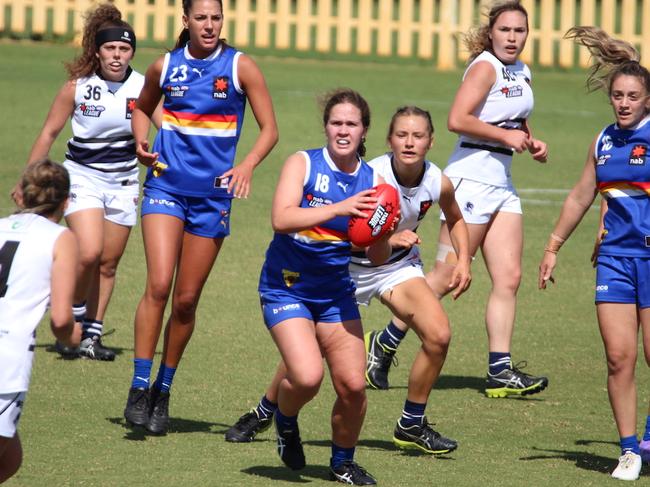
x=141 y=372
x=390 y=337
x=79 y=311
x=499 y=361
x=630 y=443
x=412 y=414
x=165 y=378
x=285 y=423
x=340 y=455
x=646 y=434
x=265 y=408
x=91 y=328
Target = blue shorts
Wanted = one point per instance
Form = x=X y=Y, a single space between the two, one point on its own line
x=623 y=280
x=279 y=305
x=203 y=216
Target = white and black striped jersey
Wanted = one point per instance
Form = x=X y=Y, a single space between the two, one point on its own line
x=415 y=201
x=26 y=253
x=101 y=123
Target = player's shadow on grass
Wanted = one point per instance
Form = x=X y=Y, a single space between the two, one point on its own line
x=460 y=382
x=582 y=459
x=304 y=476
x=176 y=425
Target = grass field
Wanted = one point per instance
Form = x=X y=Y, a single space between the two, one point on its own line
x=72 y=427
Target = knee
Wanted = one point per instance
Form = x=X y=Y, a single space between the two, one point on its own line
x=184 y=306
x=509 y=282
x=620 y=362
x=307 y=381
x=352 y=389
x=89 y=256
x=108 y=268
x=158 y=291
x=435 y=341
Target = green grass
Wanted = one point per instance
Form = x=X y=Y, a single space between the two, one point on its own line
x=72 y=426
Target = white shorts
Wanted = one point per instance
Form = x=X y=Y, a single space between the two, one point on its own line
x=11 y=405
x=479 y=201
x=117 y=195
x=375 y=281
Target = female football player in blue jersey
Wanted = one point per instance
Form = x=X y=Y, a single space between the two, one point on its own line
x=98 y=98
x=38 y=259
x=305 y=287
x=617 y=168
x=191 y=181
x=399 y=283
x=490 y=115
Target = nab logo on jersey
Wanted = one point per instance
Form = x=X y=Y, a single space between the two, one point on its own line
x=130 y=106
x=424 y=207
x=220 y=87
x=637 y=155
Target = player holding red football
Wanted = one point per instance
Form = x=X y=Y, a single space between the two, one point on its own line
x=305 y=288
x=400 y=283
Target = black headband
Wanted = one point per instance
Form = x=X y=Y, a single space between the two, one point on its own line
x=115 y=34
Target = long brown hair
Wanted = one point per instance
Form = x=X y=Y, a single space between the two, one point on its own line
x=44 y=187
x=612 y=58
x=105 y=15
x=478 y=39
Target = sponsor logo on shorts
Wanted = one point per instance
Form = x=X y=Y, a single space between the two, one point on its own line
x=637 y=155
x=220 y=87
x=290 y=277
x=130 y=106
x=602 y=288
x=316 y=201
x=177 y=91
x=285 y=307
x=160 y=201
x=469 y=207
x=91 y=110
x=72 y=196
x=424 y=207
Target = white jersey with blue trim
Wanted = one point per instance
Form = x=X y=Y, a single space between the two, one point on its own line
x=101 y=124
x=26 y=251
x=508 y=104
x=414 y=202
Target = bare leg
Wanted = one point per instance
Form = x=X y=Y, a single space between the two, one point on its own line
x=11 y=456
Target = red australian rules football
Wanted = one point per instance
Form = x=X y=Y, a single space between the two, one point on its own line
x=366 y=231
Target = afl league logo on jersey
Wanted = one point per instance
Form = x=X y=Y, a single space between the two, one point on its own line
x=130 y=106
x=637 y=155
x=606 y=143
x=91 y=110
x=220 y=87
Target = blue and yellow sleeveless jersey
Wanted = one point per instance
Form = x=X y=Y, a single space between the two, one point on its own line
x=623 y=177
x=314 y=262
x=203 y=113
